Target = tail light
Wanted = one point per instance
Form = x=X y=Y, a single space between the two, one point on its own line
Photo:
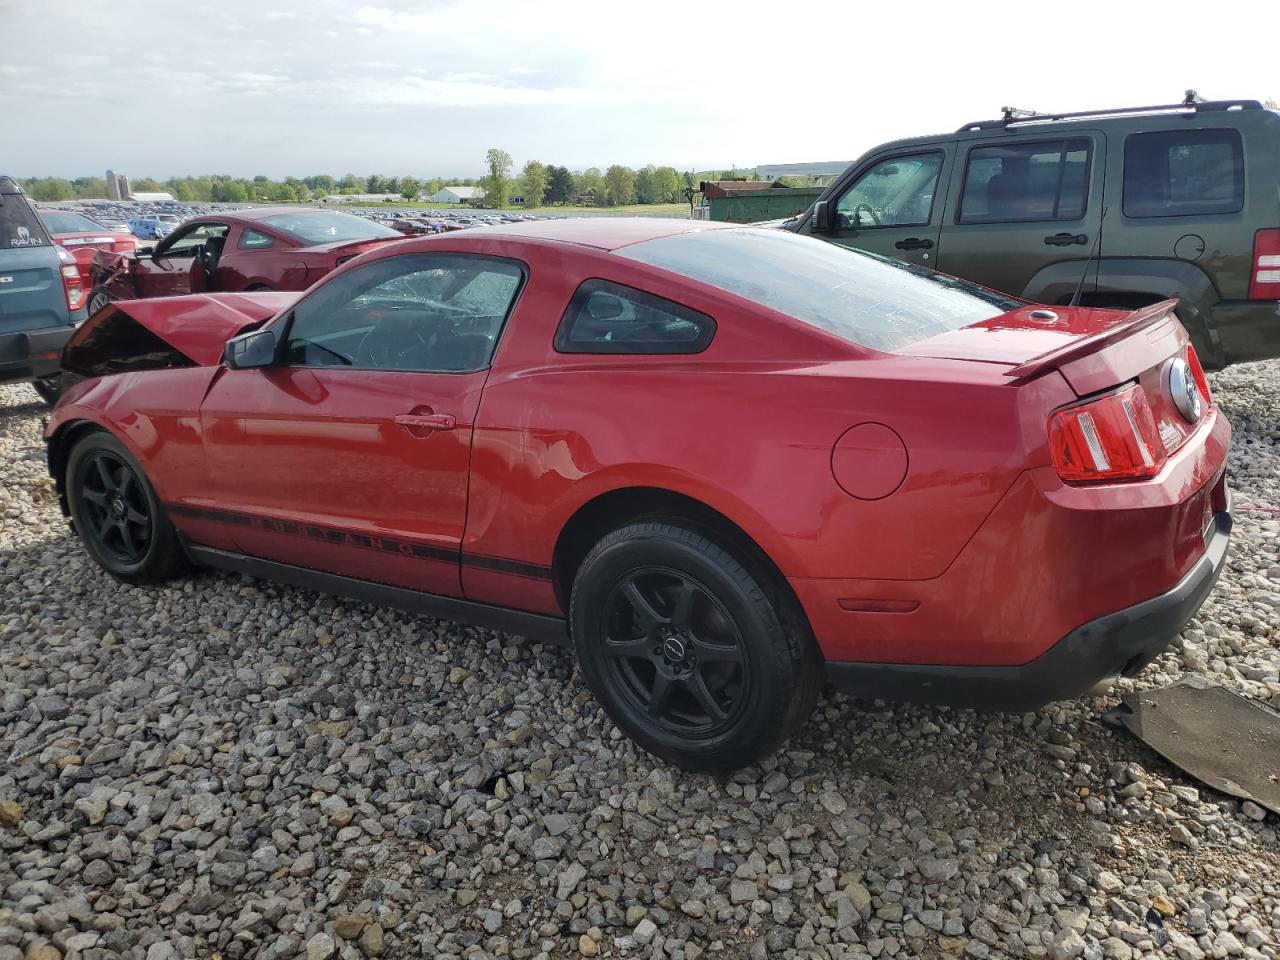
x=1111 y=438
x=1264 y=279
x=72 y=285
x=1197 y=374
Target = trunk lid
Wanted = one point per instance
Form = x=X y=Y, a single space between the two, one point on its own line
x=1094 y=350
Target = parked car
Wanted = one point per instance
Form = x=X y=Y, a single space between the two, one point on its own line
x=267 y=248
x=1158 y=202
x=83 y=238
x=725 y=461
x=148 y=228
x=41 y=296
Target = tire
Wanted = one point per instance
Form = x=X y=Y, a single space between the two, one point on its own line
x=49 y=388
x=117 y=515
x=97 y=301
x=683 y=646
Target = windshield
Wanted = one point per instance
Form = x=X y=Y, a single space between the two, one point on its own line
x=320 y=227
x=63 y=221
x=872 y=301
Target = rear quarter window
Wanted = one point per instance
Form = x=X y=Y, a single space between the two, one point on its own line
x=19 y=225
x=1183 y=173
x=606 y=317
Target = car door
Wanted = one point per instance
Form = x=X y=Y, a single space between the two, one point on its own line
x=1025 y=213
x=892 y=205
x=350 y=453
x=174 y=268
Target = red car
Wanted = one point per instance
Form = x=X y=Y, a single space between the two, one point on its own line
x=724 y=462
x=84 y=239
x=266 y=248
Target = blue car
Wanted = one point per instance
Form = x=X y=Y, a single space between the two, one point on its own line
x=148 y=228
x=41 y=297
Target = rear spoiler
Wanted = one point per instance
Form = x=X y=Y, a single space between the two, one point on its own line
x=1139 y=319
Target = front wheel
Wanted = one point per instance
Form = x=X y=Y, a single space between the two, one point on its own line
x=687 y=650
x=117 y=514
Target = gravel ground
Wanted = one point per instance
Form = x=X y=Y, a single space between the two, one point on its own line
x=228 y=768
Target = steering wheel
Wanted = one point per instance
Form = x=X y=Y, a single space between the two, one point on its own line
x=857 y=213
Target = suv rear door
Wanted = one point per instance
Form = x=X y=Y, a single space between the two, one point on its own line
x=1020 y=204
x=31 y=291
x=891 y=203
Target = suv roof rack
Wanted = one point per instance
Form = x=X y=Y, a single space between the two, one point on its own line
x=1193 y=101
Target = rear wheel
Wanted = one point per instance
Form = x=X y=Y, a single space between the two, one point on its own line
x=117 y=514
x=686 y=650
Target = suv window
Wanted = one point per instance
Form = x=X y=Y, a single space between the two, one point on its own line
x=897 y=192
x=423 y=312
x=19 y=225
x=605 y=317
x=1012 y=182
x=1183 y=173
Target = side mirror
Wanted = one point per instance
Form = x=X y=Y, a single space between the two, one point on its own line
x=145 y=251
x=822 y=216
x=254 y=349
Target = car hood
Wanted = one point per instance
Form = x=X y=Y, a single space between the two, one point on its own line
x=168 y=331
x=355 y=247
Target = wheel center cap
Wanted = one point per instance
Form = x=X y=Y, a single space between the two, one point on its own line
x=673 y=649
x=117 y=505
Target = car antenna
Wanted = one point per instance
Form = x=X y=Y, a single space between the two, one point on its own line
x=1097 y=244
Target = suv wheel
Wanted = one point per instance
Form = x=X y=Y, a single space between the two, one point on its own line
x=682 y=645
x=49 y=388
x=117 y=513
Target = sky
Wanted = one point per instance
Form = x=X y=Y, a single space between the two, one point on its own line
x=249 y=87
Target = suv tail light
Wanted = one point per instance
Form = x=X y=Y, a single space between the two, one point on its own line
x=71 y=282
x=1264 y=278
x=1107 y=439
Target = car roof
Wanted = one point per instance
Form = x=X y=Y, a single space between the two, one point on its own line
x=603 y=233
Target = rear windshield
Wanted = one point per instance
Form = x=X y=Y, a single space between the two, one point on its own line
x=321 y=227
x=19 y=226
x=872 y=301
x=62 y=221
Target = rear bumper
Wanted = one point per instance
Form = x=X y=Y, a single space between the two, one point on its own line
x=1117 y=644
x=32 y=355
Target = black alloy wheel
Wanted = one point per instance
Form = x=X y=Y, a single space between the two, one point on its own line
x=673 y=649
x=692 y=644
x=117 y=514
x=119 y=520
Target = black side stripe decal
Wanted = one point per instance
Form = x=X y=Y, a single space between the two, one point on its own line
x=338 y=535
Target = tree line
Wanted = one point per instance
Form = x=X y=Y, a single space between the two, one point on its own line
x=537 y=184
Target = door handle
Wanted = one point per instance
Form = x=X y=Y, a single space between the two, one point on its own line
x=915 y=243
x=1066 y=239
x=425 y=422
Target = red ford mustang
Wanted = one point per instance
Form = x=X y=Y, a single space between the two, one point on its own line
x=723 y=462
x=267 y=248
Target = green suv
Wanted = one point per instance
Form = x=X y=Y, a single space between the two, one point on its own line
x=1116 y=208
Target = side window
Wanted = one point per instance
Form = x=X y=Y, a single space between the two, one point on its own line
x=1183 y=173
x=19 y=225
x=897 y=192
x=189 y=242
x=440 y=313
x=1013 y=182
x=255 y=240
x=605 y=317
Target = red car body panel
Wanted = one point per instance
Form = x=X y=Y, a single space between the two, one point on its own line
x=980 y=556
x=86 y=248
x=289 y=264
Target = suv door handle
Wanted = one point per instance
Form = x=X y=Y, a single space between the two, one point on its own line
x=914 y=243
x=422 y=424
x=1066 y=239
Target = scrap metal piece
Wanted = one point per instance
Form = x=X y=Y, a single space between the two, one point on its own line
x=1227 y=741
